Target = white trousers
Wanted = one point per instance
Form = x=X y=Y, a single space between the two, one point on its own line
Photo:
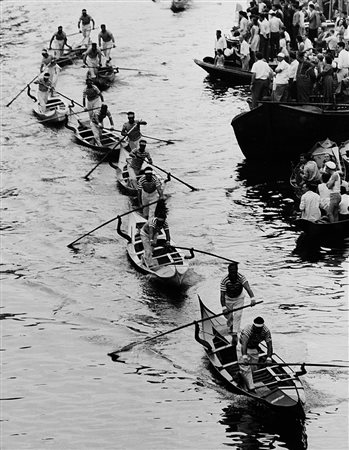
x=246 y=370
x=234 y=318
x=86 y=31
x=149 y=211
x=57 y=48
x=106 y=48
x=42 y=100
x=97 y=133
x=91 y=104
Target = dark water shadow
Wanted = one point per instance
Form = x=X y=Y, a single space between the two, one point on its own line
x=332 y=251
x=254 y=427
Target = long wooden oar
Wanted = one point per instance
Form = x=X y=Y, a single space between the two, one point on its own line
x=109 y=221
x=293 y=364
x=133 y=344
x=167 y=141
x=25 y=87
x=68 y=98
x=108 y=153
x=192 y=250
x=176 y=178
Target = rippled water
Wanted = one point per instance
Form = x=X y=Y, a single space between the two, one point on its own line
x=63 y=311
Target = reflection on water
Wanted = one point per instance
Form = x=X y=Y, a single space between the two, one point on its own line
x=255 y=427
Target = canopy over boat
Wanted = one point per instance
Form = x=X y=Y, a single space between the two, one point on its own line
x=277 y=386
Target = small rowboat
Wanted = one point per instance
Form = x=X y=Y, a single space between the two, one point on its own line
x=179 y=5
x=324 y=232
x=277 y=386
x=105 y=77
x=84 y=136
x=234 y=76
x=69 y=56
x=169 y=266
x=56 y=111
x=122 y=174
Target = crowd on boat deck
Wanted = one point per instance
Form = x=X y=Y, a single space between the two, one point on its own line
x=325 y=192
x=306 y=58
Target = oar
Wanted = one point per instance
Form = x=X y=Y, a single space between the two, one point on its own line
x=168 y=141
x=68 y=98
x=108 y=153
x=293 y=364
x=133 y=344
x=192 y=250
x=25 y=87
x=176 y=178
x=109 y=221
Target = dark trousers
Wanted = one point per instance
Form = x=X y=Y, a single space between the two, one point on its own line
x=274 y=44
x=264 y=47
x=295 y=33
x=312 y=34
x=259 y=90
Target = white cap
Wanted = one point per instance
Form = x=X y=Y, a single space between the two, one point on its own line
x=331 y=165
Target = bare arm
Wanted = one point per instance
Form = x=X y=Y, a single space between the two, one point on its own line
x=222 y=299
x=51 y=42
x=269 y=349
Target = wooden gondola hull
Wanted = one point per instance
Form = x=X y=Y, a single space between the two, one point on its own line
x=105 y=78
x=170 y=267
x=281 y=132
x=55 y=114
x=69 y=56
x=179 y=5
x=276 y=386
x=234 y=76
x=324 y=232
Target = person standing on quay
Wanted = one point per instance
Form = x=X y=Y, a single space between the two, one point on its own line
x=85 y=20
x=135 y=135
x=232 y=297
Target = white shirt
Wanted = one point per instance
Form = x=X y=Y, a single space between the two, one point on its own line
x=324 y=196
x=343 y=59
x=292 y=70
x=301 y=19
x=344 y=204
x=282 y=77
x=307 y=44
x=264 y=27
x=261 y=69
x=220 y=43
x=309 y=206
x=244 y=48
x=275 y=24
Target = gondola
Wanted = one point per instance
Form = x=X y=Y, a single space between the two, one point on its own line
x=324 y=232
x=56 y=111
x=170 y=265
x=84 y=136
x=105 y=77
x=281 y=132
x=122 y=174
x=70 y=55
x=235 y=76
x=179 y=5
x=276 y=386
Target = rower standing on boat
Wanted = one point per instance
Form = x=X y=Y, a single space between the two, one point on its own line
x=92 y=59
x=135 y=135
x=136 y=160
x=106 y=42
x=220 y=42
x=250 y=338
x=149 y=190
x=53 y=69
x=46 y=59
x=85 y=20
x=59 y=39
x=232 y=297
x=93 y=95
x=151 y=230
x=96 y=123
x=44 y=89
x=261 y=76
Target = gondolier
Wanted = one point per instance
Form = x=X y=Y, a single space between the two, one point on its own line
x=44 y=88
x=232 y=297
x=151 y=229
x=134 y=135
x=97 y=122
x=250 y=338
x=85 y=20
x=106 y=42
x=149 y=190
x=53 y=69
x=136 y=160
x=92 y=59
x=92 y=96
x=59 y=40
